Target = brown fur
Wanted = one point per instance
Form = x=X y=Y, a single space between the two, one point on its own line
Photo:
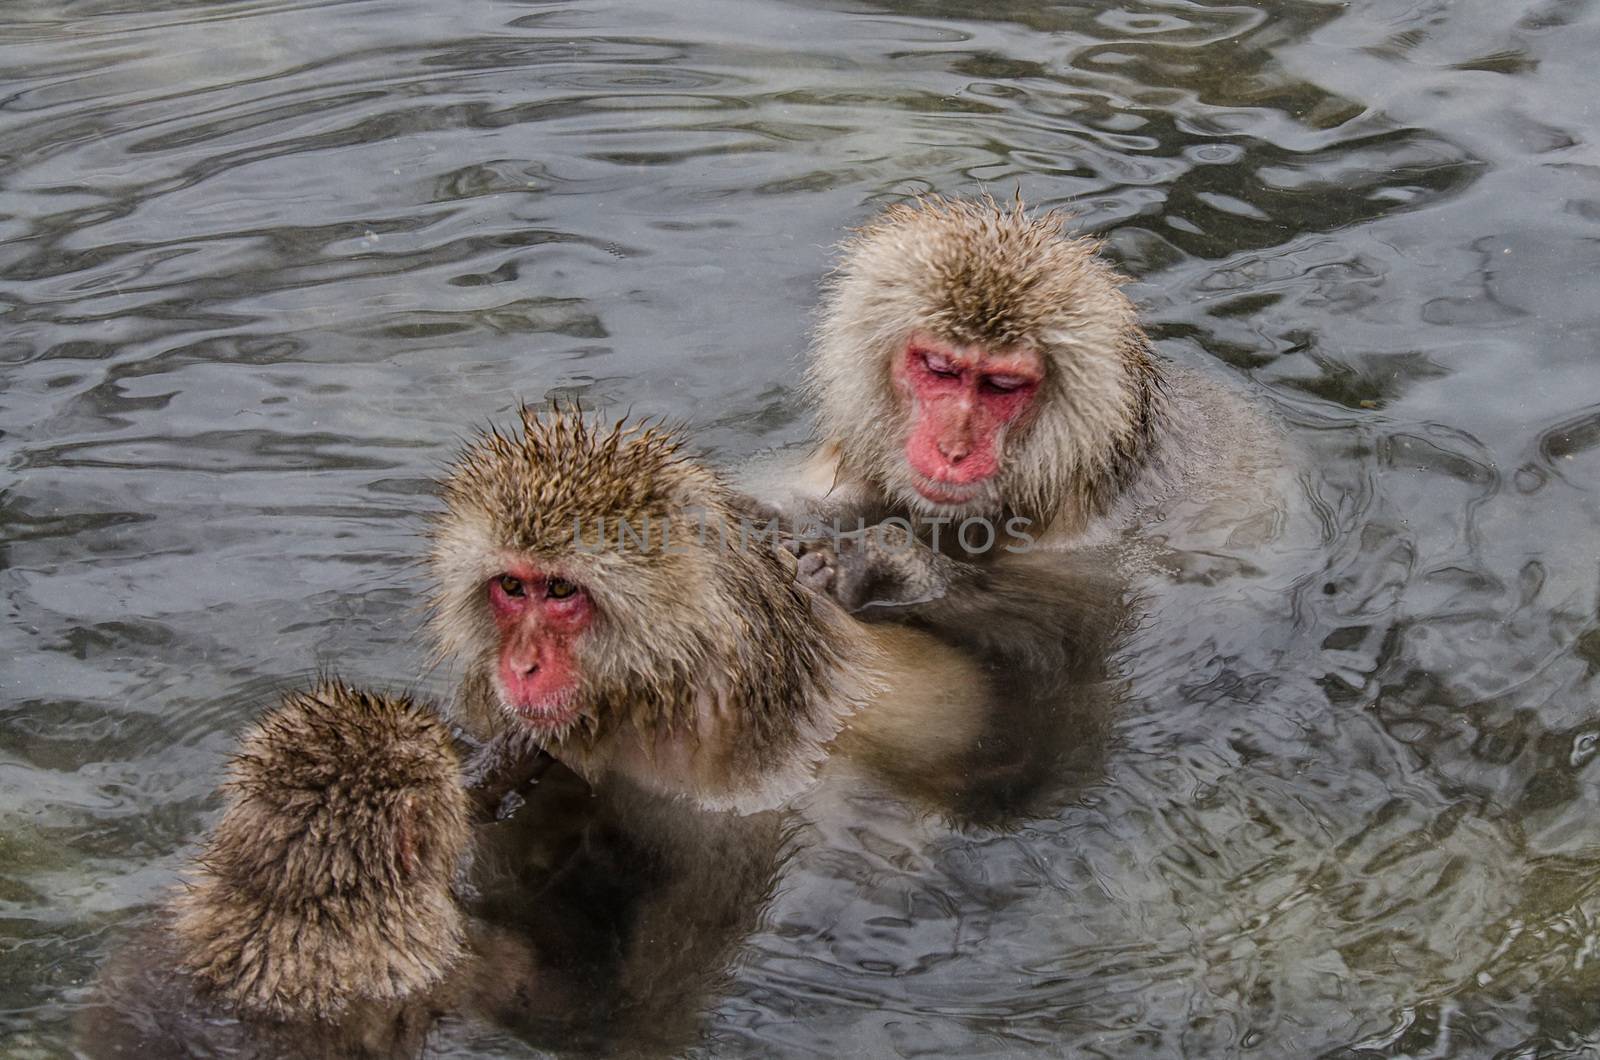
x=708 y=671
x=319 y=919
x=974 y=272
x=329 y=875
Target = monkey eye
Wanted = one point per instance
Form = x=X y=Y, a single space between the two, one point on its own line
x=509 y=585
x=940 y=366
x=559 y=588
x=1005 y=384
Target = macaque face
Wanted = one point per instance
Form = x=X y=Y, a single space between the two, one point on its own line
x=541 y=618
x=962 y=402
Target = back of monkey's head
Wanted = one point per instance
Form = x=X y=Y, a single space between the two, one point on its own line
x=691 y=610
x=342 y=788
x=329 y=875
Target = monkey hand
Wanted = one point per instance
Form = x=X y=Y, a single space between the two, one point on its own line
x=882 y=567
x=499 y=768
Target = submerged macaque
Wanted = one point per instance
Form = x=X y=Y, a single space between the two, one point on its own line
x=330 y=913
x=319 y=920
x=686 y=659
x=973 y=362
x=689 y=660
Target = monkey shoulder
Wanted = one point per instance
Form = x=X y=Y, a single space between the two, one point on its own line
x=1218 y=468
x=145 y=1005
x=1217 y=430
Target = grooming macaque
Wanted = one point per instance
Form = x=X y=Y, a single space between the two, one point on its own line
x=671 y=658
x=605 y=598
x=972 y=361
x=320 y=919
x=678 y=658
x=598 y=589
x=606 y=606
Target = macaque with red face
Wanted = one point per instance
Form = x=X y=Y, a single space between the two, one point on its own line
x=680 y=670
x=596 y=588
x=963 y=402
x=974 y=362
x=606 y=599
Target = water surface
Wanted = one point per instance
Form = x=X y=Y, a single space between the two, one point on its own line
x=263 y=262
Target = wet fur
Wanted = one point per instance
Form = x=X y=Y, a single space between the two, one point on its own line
x=708 y=671
x=319 y=918
x=974 y=272
x=1008 y=710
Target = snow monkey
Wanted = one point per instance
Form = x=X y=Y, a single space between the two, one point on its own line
x=606 y=597
x=606 y=606
x=973 y=361
x=319 y=919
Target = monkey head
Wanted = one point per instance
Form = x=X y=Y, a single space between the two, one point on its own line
x=329 y=877
x=972 y=359
x=596 y=582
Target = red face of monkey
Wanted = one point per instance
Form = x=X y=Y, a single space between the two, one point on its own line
x=962 y=400
x=540 y=618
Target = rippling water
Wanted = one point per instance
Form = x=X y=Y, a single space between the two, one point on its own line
x=262 y=262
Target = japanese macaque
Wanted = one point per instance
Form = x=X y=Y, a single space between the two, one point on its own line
x=972 y=361
x=353 y=894
x=607 y=599
x=610 y=606
x=605 y=596
x=320 y=919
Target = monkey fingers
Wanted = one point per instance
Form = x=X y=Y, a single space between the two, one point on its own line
x=816 y=568
x=883 y=568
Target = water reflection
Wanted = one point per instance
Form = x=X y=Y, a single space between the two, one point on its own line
x=262 y=262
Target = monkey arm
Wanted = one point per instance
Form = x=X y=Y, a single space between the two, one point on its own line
x=500 y=767
x=1052 y=608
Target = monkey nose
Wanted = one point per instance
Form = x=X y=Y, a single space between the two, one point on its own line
x=954 y=451
x=529 y=668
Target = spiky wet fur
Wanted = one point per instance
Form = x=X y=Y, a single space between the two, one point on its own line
x=975 y=272
x=328 y=879
x=707 y=671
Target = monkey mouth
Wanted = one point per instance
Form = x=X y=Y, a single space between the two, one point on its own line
x=546 y=715
x=945 y=492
